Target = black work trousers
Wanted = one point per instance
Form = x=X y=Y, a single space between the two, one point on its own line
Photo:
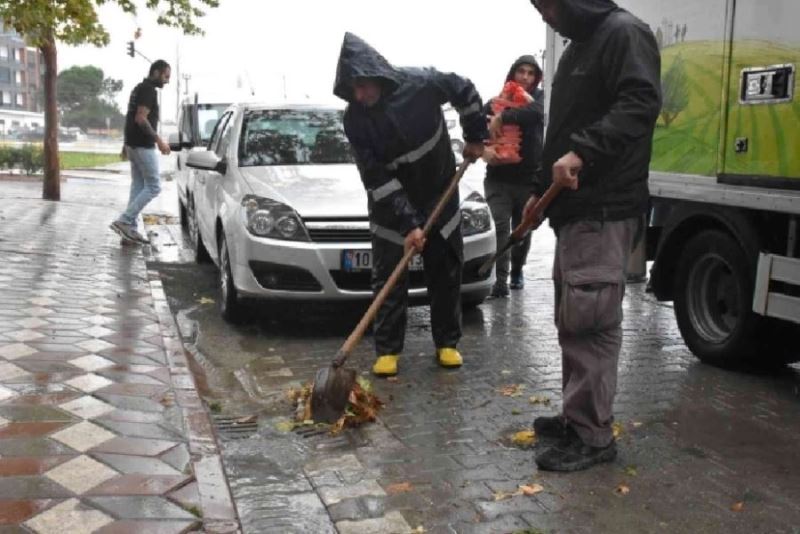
x=506 y=201
x=442 y=259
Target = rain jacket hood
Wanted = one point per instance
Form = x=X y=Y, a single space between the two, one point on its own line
x=577 y=19
x=526 y=60
x=357 y=59
x=530 y=120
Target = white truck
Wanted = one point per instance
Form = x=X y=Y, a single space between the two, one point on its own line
x=725 y=174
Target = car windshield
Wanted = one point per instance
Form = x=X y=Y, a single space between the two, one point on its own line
x=207 y=117
x=293 y=137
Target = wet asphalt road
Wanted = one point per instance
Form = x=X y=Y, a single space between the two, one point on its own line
x=701 y=449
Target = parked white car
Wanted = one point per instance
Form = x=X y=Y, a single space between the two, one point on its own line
x=196 y=122
x=281 y=209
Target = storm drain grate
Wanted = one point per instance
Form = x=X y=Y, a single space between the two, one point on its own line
x=310 y=431
x=236 y=426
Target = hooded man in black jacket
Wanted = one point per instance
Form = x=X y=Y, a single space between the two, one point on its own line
x=396 y=127
x=509 y=186
x=606 y=98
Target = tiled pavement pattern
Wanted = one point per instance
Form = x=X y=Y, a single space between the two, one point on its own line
x=101 y=429
x=696 y=441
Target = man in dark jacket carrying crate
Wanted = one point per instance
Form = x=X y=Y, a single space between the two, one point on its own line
x=396 y=127
x=509 y=185
x=606 y=97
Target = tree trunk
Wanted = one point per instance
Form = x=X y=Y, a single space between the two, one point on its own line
x=51 y=189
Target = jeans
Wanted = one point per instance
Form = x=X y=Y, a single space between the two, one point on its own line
x=145 y=182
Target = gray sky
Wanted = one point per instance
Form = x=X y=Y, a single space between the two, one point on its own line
x=258 y=42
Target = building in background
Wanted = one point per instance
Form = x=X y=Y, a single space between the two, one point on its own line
x=21 y=83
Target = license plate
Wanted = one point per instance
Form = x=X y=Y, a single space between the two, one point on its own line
x=361 y=260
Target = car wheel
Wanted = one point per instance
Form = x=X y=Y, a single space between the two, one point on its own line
x=201 y=254
x=229 y=305
x=714 y=292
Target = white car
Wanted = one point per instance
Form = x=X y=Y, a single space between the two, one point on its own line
x=196 y=122
x=281 y=209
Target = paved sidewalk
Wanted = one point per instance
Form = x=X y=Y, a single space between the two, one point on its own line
x=101 y=427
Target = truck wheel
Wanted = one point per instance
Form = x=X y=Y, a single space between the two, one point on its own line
x=229 y=305
x=713 y=300
x=201 y=254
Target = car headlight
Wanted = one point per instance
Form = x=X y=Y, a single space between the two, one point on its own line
x=475 y=215
x=265 y=217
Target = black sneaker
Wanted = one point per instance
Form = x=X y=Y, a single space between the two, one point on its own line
x=499 y=291
x=139 y=237
x=572 y=454
x=517 y=281
x=553 y=427
x=125 y=231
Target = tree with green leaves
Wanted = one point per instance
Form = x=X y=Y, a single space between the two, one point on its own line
x=86 y=98
x=675 y=91
x=45 y=23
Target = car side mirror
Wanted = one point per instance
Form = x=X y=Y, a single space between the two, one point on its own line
x=176 y=142
x=205 y=160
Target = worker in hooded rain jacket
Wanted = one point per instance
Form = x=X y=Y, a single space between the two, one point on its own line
x=604 y=104
x=397 y=131
x=508 y=186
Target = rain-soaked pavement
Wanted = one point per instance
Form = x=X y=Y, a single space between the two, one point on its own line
x=701 y=449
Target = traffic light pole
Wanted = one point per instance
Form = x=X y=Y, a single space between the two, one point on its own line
x=132 y=51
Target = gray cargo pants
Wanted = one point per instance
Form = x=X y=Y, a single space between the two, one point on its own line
x=506 y=201
x=589 y=278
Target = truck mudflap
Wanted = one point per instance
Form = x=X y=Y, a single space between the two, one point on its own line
x=777 y=272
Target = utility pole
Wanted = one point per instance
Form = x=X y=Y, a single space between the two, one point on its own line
x=177 y=80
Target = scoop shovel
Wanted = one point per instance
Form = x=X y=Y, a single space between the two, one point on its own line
x=332 y=385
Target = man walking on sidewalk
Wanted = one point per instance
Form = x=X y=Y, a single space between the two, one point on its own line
x=509 y=185
x=395 y=125
x=141 y=140
x=598 y=147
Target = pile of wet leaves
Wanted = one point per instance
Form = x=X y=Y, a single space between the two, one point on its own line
x=362 y=406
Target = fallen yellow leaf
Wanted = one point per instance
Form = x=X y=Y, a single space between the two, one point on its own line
x=512 y=390
x=622 y=489
x=617 y=429
x=284 y=426
x=402 y=487
x=631 y=471
x=532 y=489
x=524 y=438
x=205 y=300
x=737 y=507
x=419 y=530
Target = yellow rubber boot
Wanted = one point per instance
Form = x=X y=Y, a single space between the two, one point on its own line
x=386 y=365
x=449 y=357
